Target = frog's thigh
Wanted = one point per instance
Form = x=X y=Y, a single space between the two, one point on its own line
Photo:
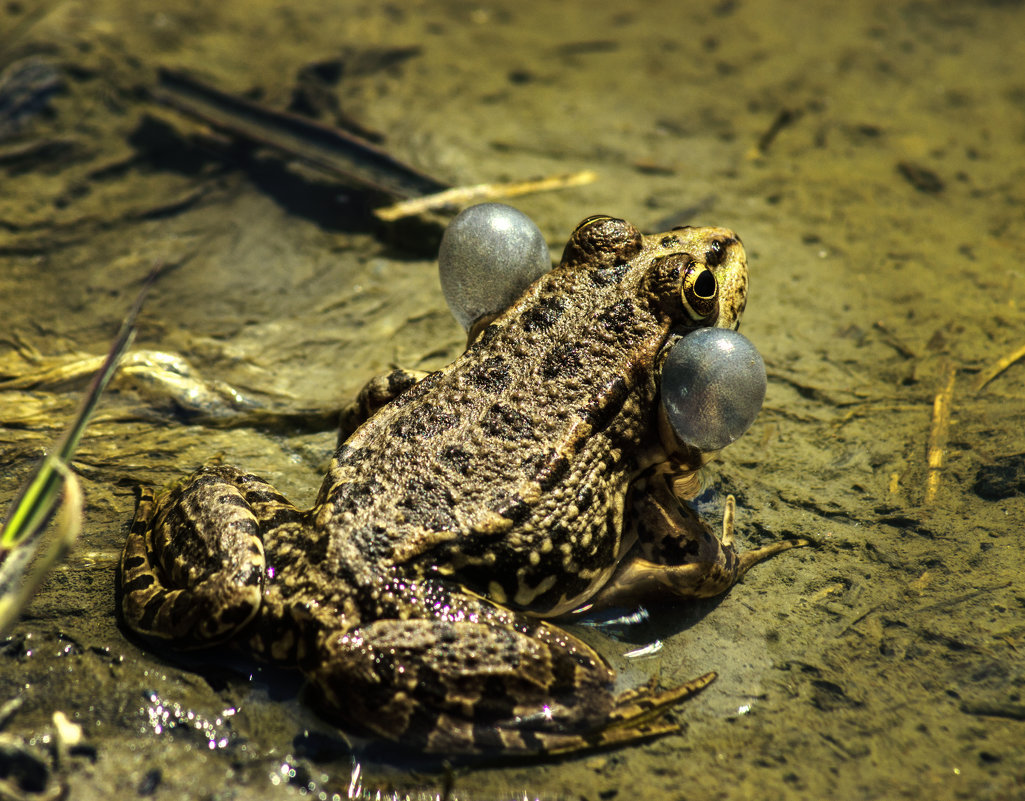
x=464 y=687
x=677 y=553
x=378 y=392
x=193 y=564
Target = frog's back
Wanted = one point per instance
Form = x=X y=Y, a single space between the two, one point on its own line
x=521 y=450
x=545 y=404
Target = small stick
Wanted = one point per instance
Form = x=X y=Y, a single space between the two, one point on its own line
x=994 y=709
x=463 y=195
x=938 y=433
x=785 y=117
x=894 y=341
x=1001 y=364
x=331 y=150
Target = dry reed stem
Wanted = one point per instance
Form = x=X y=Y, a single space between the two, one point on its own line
x=464 y=195
x=938 y=434
x=1001 y=364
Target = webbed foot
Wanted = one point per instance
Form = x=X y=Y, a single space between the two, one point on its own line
x=677 y=554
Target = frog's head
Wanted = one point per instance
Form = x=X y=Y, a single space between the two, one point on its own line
x=712 y=381
x=715 y=278
x=696 y=275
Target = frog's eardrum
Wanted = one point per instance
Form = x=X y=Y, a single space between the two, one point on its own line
x=713 y=385
x=489 y=254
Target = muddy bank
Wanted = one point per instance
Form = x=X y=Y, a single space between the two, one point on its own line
x=870 y=158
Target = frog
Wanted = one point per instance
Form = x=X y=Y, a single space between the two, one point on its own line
x=466 y=511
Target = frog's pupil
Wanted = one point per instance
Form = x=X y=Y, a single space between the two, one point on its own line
x=704 y=287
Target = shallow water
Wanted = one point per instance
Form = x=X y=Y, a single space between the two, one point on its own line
x=869 y=154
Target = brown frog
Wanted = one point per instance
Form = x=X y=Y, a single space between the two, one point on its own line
x=531 y=476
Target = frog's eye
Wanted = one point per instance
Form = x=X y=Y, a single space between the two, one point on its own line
x=713 y=385
x=489 y=254
x=700 y=292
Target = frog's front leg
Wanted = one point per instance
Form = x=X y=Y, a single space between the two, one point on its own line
x=476 y=678
x=677 y=554
x=378 y=392
x=193 y=565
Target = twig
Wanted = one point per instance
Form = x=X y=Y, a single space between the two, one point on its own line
x=894 y=341
x=784 y=118
x=938 y=433
x=464 y=195
x=8 y=709
x=18 y=580
x=994 y=709
x=331 y=150
x=1001 y=364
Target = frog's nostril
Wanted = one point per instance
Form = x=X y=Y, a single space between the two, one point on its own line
x=713 y=385
x=489 y=254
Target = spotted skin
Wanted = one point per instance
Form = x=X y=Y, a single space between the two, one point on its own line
x=463 y=506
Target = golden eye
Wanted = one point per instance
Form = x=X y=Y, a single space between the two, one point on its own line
x=700 y=292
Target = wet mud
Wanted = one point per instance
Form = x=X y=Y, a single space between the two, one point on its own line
x=868 y=154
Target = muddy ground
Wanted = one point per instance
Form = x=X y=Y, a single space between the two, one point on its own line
x=870 y=154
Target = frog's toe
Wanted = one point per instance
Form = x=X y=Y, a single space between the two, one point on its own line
x=636 y=716
x=748 y=559
x=645 y=705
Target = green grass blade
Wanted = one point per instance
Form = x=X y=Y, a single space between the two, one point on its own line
x=15 y=592
x=53 y=486
x=38 y=500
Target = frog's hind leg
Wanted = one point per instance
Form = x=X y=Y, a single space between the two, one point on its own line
x=483 y=680
x=193 y=565
x=677 y=553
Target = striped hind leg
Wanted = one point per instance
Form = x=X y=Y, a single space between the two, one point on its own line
x=193 y=565
x=462 y=675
